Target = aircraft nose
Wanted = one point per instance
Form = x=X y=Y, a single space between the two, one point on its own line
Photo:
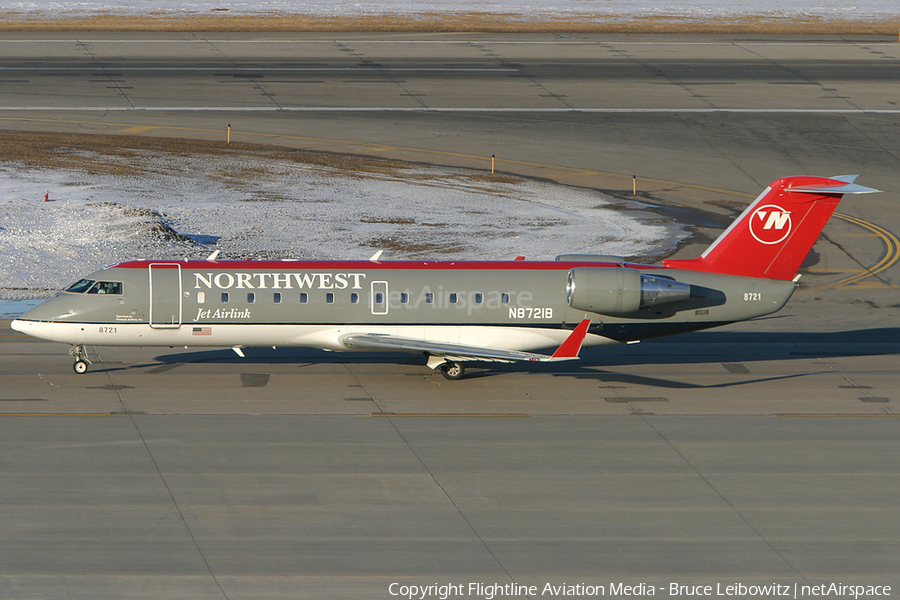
x=37 y=329
x=51 y=309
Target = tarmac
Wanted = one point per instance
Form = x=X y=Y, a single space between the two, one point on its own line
x=758 y=453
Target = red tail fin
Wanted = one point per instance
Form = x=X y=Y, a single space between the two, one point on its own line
x=772 y=237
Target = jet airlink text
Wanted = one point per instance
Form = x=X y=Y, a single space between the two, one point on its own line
x=222 y=313
x=490 y=591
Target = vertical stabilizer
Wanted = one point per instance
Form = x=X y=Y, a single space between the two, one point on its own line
x=772 y=237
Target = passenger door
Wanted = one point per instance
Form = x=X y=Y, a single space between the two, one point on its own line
x=165 y=295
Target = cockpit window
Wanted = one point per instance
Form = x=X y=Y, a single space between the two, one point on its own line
x=81 y=287
x=106 y=287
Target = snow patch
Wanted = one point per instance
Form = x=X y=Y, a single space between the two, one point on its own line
x=250 y=207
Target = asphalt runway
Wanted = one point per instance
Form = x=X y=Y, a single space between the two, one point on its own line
x=759 y=453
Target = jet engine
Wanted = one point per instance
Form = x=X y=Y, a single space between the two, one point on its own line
x=619 y=291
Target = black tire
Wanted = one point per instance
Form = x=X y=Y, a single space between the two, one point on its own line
x=80 y=367
x=453 y=370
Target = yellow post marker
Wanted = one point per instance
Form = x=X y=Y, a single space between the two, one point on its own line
x=228 y=140
x=492 y=164
x=634 y=185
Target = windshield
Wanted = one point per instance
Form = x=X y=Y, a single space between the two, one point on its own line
x=81 y=286
x=106 y=287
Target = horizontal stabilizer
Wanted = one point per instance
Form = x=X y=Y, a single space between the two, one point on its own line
x=847 y=188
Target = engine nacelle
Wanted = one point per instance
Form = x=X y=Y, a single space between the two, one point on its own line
x=619 y=291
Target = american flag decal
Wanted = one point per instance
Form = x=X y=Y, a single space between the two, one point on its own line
x=202 y=331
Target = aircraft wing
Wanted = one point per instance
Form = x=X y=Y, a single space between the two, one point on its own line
x=438 y=352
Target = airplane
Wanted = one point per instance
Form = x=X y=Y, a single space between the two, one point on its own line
x=453 y=312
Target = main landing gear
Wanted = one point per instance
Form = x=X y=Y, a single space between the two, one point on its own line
x=450 y=369
x=81 y=359
x=453 y=370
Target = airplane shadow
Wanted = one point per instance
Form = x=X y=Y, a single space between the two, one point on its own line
x=612 y=378
x=730 y=349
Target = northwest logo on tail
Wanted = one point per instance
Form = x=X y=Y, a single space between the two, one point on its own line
x=770 y=224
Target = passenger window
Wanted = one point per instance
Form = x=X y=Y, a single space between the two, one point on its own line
x=224 y=297
x=404 y=298
x=354 y=298
x=276 y=297
x=304 y=297
x=329 y=297
x=479 y=297
x=251 y=297
x=453 y=298
x=504 y=298
x=201 y=297
x=429 y=297
x=81 y=287
x=379 y=298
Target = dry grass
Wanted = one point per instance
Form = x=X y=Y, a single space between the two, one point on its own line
x=125 y=155
x=452 y=23
x=401 y=245
x=387 y=220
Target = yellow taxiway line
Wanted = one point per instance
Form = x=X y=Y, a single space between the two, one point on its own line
x=485 y=415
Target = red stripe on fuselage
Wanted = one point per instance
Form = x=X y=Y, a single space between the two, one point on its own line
x=367 y=264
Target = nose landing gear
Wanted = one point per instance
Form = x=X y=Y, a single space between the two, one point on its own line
x=81 y=359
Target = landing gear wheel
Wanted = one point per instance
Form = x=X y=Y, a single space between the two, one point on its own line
x=81 y=359
x=453 y=370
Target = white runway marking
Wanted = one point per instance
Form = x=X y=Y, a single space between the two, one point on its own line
x=816 y=111
x=464 y=42
x=229 y=68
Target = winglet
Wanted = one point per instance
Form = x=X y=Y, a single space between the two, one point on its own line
x=572 y=345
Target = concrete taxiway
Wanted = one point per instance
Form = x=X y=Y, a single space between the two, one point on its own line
x=757 y=453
